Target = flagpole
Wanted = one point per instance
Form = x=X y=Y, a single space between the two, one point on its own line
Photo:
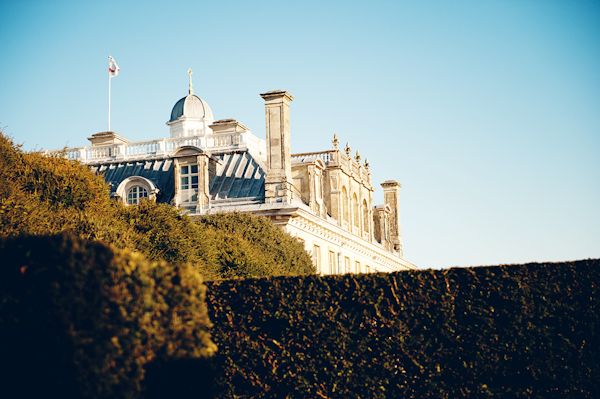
x=113 y=70
x=109 y=101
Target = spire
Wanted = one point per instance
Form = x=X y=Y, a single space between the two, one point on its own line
x=190 y=73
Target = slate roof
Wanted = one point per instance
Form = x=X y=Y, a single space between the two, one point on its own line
x=238 y=175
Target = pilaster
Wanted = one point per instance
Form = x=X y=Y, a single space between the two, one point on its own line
x=203 y=182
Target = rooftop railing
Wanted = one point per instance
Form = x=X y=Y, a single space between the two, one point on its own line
x=162 y=147
x=325 y=156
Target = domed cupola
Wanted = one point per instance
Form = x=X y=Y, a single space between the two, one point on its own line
x=191 y=116
x=191 y=106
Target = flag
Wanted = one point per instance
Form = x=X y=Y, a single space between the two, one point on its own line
x=113 y=68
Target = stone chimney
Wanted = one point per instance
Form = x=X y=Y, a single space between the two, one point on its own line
x=278 y=182
x=391 y=197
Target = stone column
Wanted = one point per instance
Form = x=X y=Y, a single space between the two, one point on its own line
x=278 y=182
x=391 y=195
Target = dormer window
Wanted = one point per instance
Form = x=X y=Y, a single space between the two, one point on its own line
x=188 y=175
x=136 y=188
x=136 y=194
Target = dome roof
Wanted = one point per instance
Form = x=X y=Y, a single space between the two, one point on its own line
x=191 y=106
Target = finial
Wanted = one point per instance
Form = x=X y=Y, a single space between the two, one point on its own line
x=190 y=73
x=335 y=140
x=367 y=165
x=348 y=149
x=357 y=157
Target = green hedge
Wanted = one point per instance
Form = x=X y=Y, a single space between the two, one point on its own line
x=81 y=319
x=524 y=331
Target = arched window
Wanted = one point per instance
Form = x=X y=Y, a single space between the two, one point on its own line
x=356 y=213
x=365 y=216
x=345 y=215
x=135 y=188
x=135 y=194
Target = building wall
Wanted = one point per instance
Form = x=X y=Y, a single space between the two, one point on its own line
x=350 y=254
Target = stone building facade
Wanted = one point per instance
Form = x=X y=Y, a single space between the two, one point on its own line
x=323 y=198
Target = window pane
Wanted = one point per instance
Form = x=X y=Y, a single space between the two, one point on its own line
x=185 y=183
x=131 y=195
x=135 y=194
x=194 y=181
x=184 y=170
x=194 y=169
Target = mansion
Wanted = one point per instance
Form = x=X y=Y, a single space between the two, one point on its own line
x=324 y=198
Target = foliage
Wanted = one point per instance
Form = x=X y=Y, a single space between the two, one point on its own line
x=83 y=319
x=264 y=250
x=222 y=246
x=528 y=331
x=46 y=194
x=42 y=195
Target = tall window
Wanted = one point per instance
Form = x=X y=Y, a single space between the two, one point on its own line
x=356 y=212
x=331 y=262
x=345 y=204
x=135 y=194
x=365 y=216
x=357 y=267
x=317 y=257
x=189 y=184
x=346 y=265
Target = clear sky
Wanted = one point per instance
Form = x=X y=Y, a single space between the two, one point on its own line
x=487 y=112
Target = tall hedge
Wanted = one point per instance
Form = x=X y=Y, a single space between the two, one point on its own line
x=81 y=319
x=523 y=331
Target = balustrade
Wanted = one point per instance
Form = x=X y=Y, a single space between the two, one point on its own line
x=145 y=147
x=325 y=156
x=102 y=152
x=156 y=147
x=225 y=140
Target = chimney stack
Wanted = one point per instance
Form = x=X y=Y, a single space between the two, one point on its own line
x=278 y=182
x=391 y=196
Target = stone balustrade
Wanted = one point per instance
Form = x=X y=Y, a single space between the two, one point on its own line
x=336 y=157
x=324 y=155
x=162 y=147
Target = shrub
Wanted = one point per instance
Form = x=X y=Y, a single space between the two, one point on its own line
x=42 y=195
x=253 y=246
x=83 y=319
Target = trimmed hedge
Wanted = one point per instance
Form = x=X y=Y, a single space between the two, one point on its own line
x=524 y=331
x=84 y=319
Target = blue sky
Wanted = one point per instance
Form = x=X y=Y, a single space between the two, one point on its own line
x=487 y=112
